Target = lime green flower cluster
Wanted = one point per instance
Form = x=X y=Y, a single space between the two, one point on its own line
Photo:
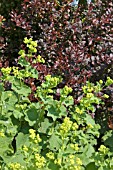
x=101 y=81
x=89 y=95
x=50 y=155
x=25 y=149
x=43 y=91
x=105 y=96
x=32 y=133
x=22 y=53
x=79 y=110
x=34 y=137
x=27 y=73
x=30 y=41
x=74 y=146
x=90 y=126
x=21 y=106
x=71 y=159
x=51 y=82
x=39 y=161
x=58 y=161
x=88 y=89
x=74 y=162
x=89 y=98
x=2 y=133
x=15 y=166
x=65 y=126
x=31 y=44
x=103 y=149
x=66 y=90
x=78 y=161
x=20 y=74
x=16 y=72
x=40 y=59
x=6 y=71
x=75 y=126
x=31 y=50
x=109 y=81
x=33 y=147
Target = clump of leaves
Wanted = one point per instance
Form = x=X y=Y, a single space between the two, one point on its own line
x=73 y=44
x=50 y=133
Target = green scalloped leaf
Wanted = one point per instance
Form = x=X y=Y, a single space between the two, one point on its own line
x=21 y=139
x=54 y=142
x=4 y=144
x=68 y=101
x=31 y=115
x=17 y=114
x=20 y=88
x=44 y=126
x=54 y=111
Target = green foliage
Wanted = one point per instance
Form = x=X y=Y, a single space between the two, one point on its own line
x=50 y=133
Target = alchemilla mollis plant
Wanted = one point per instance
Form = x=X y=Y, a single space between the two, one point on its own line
x=50 y=133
